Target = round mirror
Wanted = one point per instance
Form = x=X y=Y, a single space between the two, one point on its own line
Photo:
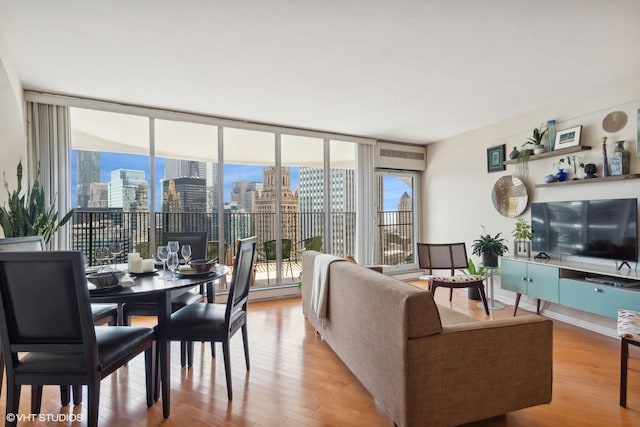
x=509 y=196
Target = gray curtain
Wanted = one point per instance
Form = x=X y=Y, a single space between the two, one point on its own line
x=48 y=145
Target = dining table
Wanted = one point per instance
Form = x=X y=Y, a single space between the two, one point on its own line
x=155 y=288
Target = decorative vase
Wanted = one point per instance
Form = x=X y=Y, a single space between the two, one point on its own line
x=620 y=160
x=522 y=248
x=605 y=162
x=550 y=178
x=561 y=175
x=590 y=170
x=514 y=153
x=551 y=132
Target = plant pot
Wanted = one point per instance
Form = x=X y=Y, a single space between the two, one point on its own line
x=489 y=260
x=474 y=294
x=522 y=248
x=539 y=149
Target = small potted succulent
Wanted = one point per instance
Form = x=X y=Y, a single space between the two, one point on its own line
x=522 y=238
x=536 y=139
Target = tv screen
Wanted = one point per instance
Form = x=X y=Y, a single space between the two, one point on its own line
x=590 y=228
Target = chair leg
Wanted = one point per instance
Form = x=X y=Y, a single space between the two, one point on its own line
x=156 y=371
x=227 y=366
x=36 y=398
x=450 y=294
x=245 y=341
x=213 y=349
x=183 y=353
x=483 y=296
x=77 y=394
x=149 y=370
x=515 y=305
x=624 y=356
x=13 y=401
x=538 y=306
x=189 y=354
x=94 y=403
x=64 y=395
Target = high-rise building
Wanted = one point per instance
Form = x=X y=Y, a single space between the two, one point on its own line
x=405 y=221
x=123 y=188
x=88 y=172
x=342 y=202
x=185 y=169
x=266 y=202
x=192 y=191
x=98 y=195
x=244 y=194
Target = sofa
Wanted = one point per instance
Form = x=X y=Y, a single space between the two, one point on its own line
x=426 y=364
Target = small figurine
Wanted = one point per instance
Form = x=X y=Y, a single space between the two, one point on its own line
x=590 y=170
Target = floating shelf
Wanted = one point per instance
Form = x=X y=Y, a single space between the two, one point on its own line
x=590 y=180
x=553 y=153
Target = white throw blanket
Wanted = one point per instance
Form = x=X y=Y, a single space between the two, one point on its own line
x=320 y=286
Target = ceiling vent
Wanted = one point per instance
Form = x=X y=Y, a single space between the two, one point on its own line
x=399 y=156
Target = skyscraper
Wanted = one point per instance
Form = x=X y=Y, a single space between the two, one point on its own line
x=265 y=206
x=185 y=168
x=123 y=188
x=88 y=172
x=192 y=192
x=244 y=193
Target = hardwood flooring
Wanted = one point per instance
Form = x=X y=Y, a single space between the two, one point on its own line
x=296 y=380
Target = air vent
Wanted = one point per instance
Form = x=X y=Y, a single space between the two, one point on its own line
x=397 y=156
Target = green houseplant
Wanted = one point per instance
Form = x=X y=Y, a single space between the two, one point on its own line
x=27 y=214
x=522 y=238
x=489 y=248
x=536 y=139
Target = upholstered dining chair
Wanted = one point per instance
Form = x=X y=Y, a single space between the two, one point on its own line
x=102 y=313
x=47 y=332
x=628 y=326
x=219 y=322
x=198 y=242
x=451 y=257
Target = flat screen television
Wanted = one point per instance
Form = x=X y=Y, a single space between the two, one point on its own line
x=591 y=228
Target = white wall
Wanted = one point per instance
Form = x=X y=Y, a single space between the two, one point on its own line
x=12 y=123
x=457 y=188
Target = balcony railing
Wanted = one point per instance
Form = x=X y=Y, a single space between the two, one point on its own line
x=95 y=228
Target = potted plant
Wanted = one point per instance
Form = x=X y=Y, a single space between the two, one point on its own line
x=536 y=139
x=522 y=238
x=489 y=248
x=27 y=214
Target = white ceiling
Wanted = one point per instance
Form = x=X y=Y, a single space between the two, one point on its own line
x=414 y=71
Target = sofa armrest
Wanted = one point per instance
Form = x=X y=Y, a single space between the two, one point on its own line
x=502 y=365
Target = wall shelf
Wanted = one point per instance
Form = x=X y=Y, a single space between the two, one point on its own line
x=553 y=153
x=590 y=180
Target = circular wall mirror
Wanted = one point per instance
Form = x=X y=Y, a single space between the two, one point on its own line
x=509 y=196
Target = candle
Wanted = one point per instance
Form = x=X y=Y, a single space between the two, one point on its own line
x=147 y=265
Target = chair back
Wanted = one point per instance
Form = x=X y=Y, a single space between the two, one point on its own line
x=44 y=305
x=21 y=244
x=212 y=251
x=197 y=240
x=442 y=256
x=269 y=249
x=313 y=243
x=241 y=280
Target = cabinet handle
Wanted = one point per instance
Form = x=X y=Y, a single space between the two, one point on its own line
x=530 y=279
x=597 y=290
x=523 y=278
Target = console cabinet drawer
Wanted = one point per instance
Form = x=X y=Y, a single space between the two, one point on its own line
x=534 y=280
x=604 y=300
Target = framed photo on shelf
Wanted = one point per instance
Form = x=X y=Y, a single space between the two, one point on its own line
x=495 y=158
x=568 y=138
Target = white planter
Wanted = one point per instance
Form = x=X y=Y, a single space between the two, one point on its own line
x=539 y=149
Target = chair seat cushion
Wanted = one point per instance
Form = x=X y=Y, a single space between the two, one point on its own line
x=469 y=278
x=629 y=324
x=151 y=309
x=116 y=345
x=203 y=320
x=103 y=310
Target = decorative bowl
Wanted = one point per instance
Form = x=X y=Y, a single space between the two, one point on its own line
x=106 y=279
x=202 y=265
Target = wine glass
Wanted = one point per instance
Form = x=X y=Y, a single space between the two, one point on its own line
x=115 y=249
x=101 y=255
x=173 y=246
x=163 y=255
x=186 y=253
x=172 y=262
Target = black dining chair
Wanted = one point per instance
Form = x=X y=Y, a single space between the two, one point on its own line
x=102 y=313
x=47 y=331
x=219 y=322
x=198 y=243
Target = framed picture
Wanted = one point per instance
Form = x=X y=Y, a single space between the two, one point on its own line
x=495 y=158
x=568 y=138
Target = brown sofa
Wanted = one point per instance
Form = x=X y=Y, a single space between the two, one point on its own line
x=425 y=364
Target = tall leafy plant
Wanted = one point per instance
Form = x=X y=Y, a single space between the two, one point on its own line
x=26 y=214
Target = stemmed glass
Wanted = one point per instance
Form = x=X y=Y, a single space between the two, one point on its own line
x=102 y=255
x=173 y=246
x=115 y=249
x=186 y=253
x=163 y=255
x=172 y=262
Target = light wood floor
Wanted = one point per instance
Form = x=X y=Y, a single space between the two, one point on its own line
x=296 y=380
